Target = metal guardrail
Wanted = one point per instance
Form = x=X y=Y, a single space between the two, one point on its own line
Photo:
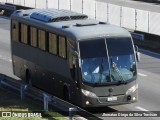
x=9 y=8
x=47 y=99
x=137 y=36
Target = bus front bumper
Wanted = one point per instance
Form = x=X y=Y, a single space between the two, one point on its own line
x=109 y=101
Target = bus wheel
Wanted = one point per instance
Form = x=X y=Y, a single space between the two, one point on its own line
x=66 y=94
x=28 y=78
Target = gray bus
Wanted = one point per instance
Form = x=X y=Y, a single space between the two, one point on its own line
x=81 y=60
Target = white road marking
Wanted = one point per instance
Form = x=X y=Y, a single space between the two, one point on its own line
x=147 y=111
x=142 y=109
x=143 y=75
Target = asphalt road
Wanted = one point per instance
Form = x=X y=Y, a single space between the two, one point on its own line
x=148 y=76
x=153 y=7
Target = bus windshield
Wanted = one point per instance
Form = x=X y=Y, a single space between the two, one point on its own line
x=94 y=61
x=101 y=66
x=122 y=60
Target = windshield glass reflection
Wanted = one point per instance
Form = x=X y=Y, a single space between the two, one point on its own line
x=94 y=61
x=101 y=66
x=122 y=60
x=95 y=70
x=122 y=67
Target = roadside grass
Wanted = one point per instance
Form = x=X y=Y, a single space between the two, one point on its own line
x=11 y=102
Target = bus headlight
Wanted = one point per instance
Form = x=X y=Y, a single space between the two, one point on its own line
x=132 y=89
x=88 y=93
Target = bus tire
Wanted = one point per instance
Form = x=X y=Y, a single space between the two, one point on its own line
x=28 y=78
x=66 y=94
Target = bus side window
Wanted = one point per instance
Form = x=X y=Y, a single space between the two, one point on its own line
x=62 y=47
x=15 y=30
x=24 y=33
x=33 y=36
x=42 y=39
x=52 y=43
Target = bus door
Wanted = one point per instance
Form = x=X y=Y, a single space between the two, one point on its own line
x=74 y=72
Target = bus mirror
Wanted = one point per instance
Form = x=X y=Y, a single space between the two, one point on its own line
x=138 y=56
x=137 y=53
x=75 y=53
x=136 y=48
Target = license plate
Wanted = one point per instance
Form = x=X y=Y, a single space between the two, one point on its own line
x=111 y=98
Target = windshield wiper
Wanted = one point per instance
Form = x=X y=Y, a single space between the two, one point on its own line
x=103 y=84
x=122 y=82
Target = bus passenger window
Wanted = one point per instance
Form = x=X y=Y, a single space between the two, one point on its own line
x=24 y=33
x=42 y=39
x=15 y=30
x=33 y=33
x=62 y=47
x=52 y=43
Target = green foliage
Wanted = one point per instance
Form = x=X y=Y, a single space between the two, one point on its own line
x=9 y=101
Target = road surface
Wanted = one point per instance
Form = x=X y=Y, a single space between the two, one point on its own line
x=153 y=7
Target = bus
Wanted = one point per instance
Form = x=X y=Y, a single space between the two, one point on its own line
x=87 y=62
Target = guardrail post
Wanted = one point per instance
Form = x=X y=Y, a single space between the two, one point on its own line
x=148 y=22
x=46 y=99
x=58 y=4
x=23 y=88
x=46 y=3
x=135 y=19
x=121 y=10
x=35 y=3
x=107 y=12
x=70 y=5
x=82 y=6
x=71 y=110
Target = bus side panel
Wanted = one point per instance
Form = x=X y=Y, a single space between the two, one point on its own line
x=48 y=72
x=41 y=58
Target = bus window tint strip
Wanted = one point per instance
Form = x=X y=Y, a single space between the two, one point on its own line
x=115 y=46
x=91 y=49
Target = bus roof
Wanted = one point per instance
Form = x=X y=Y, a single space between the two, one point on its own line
x=71 y=24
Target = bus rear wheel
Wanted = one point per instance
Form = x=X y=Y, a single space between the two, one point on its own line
x=28 y=78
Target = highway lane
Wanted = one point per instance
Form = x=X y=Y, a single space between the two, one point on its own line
x=150 y=62
x=149 y=77
x=134 y=4
x=5 y=37
x=5 y=54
